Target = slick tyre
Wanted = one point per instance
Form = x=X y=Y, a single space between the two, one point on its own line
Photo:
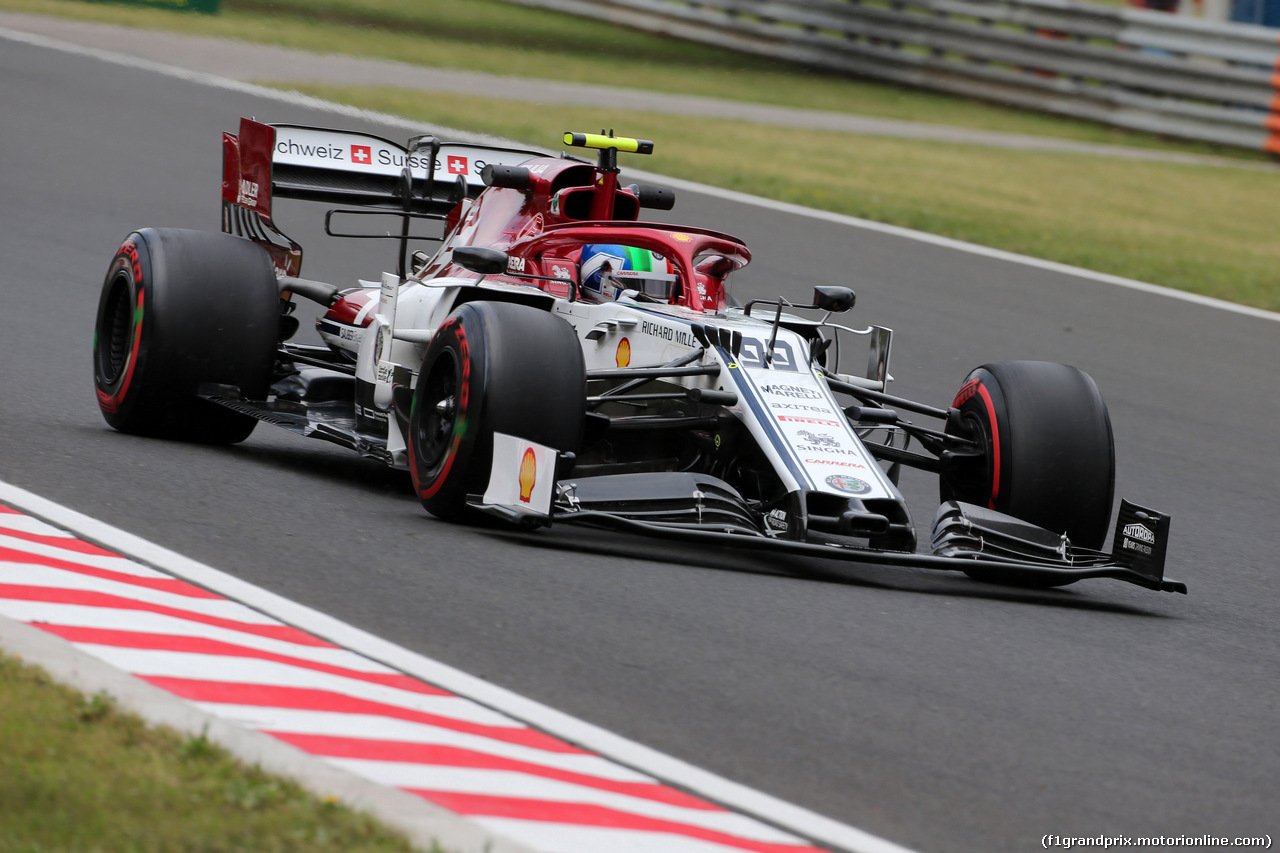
x=1048 y=456
x=491 y=367
x=180 y=308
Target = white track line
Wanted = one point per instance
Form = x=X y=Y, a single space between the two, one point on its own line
x=298 y=99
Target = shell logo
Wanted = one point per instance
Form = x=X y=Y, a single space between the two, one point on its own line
x=624 y=353
x=683 y=238
x=528 y=474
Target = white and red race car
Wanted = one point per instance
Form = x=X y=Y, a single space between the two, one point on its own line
x=528 y=370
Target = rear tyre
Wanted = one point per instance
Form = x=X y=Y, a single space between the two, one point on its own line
x=1048 y=454
x=491 y=367
x=179 y=308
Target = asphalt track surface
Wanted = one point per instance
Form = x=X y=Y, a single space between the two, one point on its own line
x=937 y=712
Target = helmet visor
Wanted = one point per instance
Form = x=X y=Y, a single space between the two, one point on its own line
x=658 y=285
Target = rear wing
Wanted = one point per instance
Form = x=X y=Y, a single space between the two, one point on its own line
x=425 y=179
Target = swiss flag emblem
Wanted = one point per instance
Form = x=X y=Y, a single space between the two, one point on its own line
x=457 y=165
x=361 y=154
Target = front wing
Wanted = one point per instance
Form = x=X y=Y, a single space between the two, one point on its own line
x=525 y=489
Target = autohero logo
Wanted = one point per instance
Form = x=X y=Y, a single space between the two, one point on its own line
x=1140 y=532
x=1138 y=538
x=795 y=392
x=849 y=485
x=684 y=337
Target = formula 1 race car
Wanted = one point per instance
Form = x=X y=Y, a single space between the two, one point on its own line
x=559 y=361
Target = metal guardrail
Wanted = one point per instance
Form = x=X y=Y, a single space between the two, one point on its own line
x=1131 y=68
x=207 y=7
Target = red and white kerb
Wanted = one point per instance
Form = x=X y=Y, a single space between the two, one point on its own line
x=248 y=668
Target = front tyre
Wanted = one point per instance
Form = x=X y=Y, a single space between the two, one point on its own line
x=180 y=308
x=491 y=367
x=1047 y=457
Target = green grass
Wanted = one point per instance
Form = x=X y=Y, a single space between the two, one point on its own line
x=501 y=38
x=1201 y=229
x=78 y=774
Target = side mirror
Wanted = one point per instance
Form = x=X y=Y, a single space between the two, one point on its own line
x=506 y=177
x=480 y=259
x=834 y=299
x=654 y=198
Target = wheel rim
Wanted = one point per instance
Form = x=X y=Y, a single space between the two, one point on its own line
x=438 y=420
x=116 y=332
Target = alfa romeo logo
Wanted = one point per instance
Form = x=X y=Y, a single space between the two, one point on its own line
x=851 y=485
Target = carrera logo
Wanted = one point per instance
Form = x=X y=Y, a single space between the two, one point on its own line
x=1140 y=532
x=361 y=154
x=793 y=391
x=457 y=165
x=795 y=420
x=838 y=463
x=248 y=193
x=515 y=264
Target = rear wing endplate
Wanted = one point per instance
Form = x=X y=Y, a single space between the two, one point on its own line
x=269 y=161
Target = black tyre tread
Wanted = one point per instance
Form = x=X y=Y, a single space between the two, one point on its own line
x=210 y=313
x=527 y=379
x=1057 y=451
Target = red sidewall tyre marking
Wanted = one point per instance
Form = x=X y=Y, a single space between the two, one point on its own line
x=460 y=421
x=112 y=402
x=995 y=444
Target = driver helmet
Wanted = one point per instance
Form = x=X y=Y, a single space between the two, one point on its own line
x=607 y=270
